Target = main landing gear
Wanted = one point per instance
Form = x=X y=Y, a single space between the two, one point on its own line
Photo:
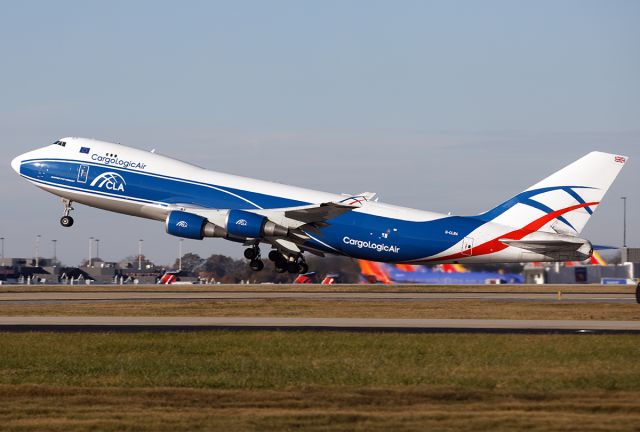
x=283 y=263
x=66 y=220
x=253 y=254
x=291 y=263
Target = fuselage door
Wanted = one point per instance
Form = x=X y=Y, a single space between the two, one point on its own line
x=83 y=173
x=467 y=246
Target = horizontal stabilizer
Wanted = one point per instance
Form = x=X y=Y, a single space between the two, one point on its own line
x=545 y=247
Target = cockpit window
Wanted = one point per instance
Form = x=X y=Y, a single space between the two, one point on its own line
x=60 y=143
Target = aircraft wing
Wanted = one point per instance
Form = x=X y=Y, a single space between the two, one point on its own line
x=317 y=214
x=309 y=219
x=297 y=222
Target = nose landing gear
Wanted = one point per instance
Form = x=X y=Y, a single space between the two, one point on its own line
x=66 y=220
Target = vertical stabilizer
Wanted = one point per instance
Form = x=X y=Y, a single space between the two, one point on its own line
x=564 y=201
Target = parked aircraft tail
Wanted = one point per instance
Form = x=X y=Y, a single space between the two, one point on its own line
x=564 y=201
x=596 y=259
x=373 y=272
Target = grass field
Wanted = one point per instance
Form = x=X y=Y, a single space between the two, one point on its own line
x=322 y=381
x=318 y=381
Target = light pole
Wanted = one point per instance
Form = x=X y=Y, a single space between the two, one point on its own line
x=90 y=251
x=180 y=254
x=55 y=252
x=140 y=254
x=2 y=239
x=624 y=221
x=38 y=250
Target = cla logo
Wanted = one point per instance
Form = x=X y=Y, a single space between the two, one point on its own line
x=182 y=224
x=109 y=180
x=241 y=222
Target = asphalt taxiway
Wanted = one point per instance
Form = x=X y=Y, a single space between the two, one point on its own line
x=132 y=324
x=58 y=297
x=168 y=323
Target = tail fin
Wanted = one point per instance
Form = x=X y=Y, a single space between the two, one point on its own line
x=373 y=273
x=596 y=259
x=564 y=201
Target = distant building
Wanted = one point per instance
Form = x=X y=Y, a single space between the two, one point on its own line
x=26 y=262
x=624 y=267
x=20 y=270
x=24 y=271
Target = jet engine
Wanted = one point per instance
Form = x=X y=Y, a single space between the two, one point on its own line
x=241 y=223
x=191 y=226
x=232 y=224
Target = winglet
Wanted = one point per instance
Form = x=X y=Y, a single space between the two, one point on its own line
x=357 y=200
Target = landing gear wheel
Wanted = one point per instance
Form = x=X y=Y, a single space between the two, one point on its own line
x=293 y=267
x=274 y=256
x=280 y=261
x=304 y=268
x=66 y=221
x=256 y=265
x=251 y=253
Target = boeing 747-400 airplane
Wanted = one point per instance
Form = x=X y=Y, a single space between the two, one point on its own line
x=542 y=223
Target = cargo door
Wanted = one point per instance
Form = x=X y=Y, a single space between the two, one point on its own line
x=83 y=173
x=467 y=246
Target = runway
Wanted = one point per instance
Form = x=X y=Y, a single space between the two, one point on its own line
x=136 y=324
x=58 y=297
x=408 y=325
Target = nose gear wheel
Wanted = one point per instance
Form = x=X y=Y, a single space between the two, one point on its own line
x=66 y=220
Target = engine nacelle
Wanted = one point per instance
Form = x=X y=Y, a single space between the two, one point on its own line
x=241 y=223
x=192 y=226
x=232 y=224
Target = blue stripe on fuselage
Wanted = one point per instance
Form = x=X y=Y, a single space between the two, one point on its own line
x=368 y=235
x=153 y=187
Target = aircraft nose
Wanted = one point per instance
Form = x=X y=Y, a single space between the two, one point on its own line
x=15 y=163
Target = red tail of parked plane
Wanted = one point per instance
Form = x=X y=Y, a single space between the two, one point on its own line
x=596 y=259
x=380 y=273
x=372 y=272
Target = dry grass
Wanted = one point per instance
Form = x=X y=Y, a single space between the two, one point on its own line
x=447 y=309
x=47 y=408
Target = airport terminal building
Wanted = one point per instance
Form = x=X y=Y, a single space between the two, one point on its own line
x=623 y=270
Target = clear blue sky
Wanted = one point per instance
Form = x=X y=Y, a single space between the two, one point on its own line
x=451 y=105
